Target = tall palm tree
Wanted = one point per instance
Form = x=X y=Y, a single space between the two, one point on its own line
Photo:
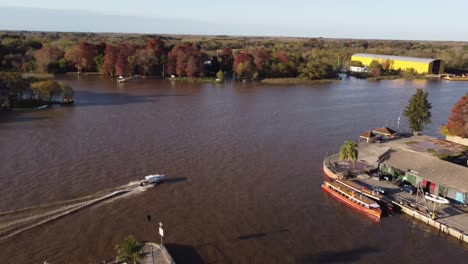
x=349 y=152
x=129 y=250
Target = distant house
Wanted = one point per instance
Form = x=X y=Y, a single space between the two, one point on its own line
x=357 y=69
x=419 y=65
x=385 y=132
x=419 y=167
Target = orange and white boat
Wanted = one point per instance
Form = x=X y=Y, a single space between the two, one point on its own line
x=355 y=200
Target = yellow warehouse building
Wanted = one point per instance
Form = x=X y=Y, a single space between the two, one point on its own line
x=420 y=65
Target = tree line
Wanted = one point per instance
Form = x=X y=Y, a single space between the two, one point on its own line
x=120 y=54
x=186 y=59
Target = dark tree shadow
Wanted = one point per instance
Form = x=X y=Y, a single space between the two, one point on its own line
x=352 y=255
x=89 y=98
x=184 y=254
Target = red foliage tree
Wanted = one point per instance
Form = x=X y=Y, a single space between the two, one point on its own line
x=110 y=57
x=181 y=63
x=244 y=64
x=193 y=67
x=179 y=57
x=262 y=59
x=458 y=120
x=281 y=56
x=157 y=46
x=242 y=57
x=123 y=64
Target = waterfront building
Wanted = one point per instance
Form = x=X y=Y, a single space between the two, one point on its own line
x=419 y=65
x=413 y=160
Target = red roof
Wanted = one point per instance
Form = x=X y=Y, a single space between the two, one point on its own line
x=384 y=131
x=367 y=134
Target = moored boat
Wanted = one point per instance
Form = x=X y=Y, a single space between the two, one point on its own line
x=450 y=77
x=351 y=198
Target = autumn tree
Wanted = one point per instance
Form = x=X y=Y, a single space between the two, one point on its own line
x=110 y=57
x=47 y=58
x=185 y=60
x=144 y=59
x=82 y=56
x=458 y=120
x=124 y=62
x=375 y=68
x=262 y=62
x=244 y=65
x=417 y=111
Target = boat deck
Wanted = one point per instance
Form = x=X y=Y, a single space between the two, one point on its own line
x=351 y=192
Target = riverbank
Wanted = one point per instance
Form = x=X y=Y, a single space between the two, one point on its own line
x=296 y=81
x=196 y=79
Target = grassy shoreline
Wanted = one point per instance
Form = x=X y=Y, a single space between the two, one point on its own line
x=196 y=79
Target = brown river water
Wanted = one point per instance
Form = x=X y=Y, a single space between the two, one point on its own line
x=243 y=166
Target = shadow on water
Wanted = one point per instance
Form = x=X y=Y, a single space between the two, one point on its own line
x=184 y=254
x=262 y=234
x=352 y=255
x=174 y=180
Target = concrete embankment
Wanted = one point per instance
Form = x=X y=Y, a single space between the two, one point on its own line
x=443 y=228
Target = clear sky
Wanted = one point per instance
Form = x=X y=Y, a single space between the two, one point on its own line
x=397 y=19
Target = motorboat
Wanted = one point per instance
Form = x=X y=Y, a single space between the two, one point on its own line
x=152 y=179
x=121 y=79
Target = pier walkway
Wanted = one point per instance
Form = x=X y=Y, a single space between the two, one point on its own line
x=155 y=254
x=451 y=215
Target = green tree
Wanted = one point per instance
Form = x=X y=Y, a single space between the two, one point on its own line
x=220 y=75
x=417 y=111
x=46 y=89
x=348 y=151
x=129 y=250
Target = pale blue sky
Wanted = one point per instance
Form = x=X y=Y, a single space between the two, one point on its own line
x=397 y=19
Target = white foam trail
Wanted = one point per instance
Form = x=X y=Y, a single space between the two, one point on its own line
x=18 y=221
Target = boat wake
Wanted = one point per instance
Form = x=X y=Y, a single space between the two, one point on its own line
x=18 y=221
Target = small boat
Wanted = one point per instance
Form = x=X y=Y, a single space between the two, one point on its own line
x=357 y=201
x=456 y=78
x=152 y=179
x=436 y=199
x=121 y=79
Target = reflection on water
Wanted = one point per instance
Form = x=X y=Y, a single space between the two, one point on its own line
x=244 y=161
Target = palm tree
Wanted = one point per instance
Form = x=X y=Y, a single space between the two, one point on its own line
x=129 y=250
x=348 y=151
